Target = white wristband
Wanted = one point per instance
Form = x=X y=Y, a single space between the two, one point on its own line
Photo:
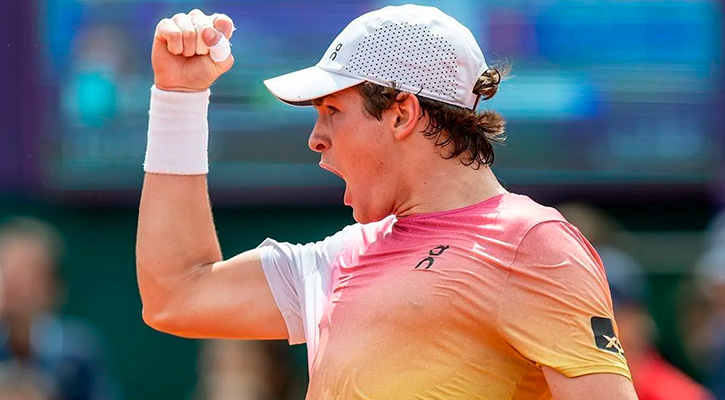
x=178 y=134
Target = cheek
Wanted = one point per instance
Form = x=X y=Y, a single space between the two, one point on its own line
x=367 y=148
x=360 y=149
x=367 y=166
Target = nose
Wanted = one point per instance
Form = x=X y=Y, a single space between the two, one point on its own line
x=318 y=141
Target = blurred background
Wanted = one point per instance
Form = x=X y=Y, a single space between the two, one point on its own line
x=616 y=113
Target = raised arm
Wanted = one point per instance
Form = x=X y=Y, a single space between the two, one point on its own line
x=186 y=287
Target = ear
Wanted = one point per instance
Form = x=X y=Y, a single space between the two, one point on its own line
x=405 y=115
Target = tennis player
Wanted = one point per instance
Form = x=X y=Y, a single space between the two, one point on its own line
x=448 y=287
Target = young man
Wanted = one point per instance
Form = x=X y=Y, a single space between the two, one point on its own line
x=448 y=288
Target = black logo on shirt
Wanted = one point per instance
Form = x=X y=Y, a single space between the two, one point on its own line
x=427 y=262
x=604 y=336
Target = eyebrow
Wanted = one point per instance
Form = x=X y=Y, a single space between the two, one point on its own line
x=319 y=102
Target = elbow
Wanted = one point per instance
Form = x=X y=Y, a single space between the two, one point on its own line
x=157 y=311
x=167 y=305
x=167 y=322
x=154 y=319
x=154 y=307
x=170 y=320
x=158 y=319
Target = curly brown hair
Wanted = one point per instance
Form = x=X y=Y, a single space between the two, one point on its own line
x=471 y=134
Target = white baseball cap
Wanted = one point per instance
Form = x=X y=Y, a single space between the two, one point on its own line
x=423 y=50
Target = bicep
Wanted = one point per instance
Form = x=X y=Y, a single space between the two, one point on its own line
x=259 y=294
x=593 y=386
x=226 y=299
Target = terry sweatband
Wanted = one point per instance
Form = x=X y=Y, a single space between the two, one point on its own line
x=178 y=133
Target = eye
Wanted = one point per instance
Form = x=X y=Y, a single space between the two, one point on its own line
x=332 y=110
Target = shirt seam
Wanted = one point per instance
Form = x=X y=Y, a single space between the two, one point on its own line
x=518 y=381
x=508 y=270
x=499 y=325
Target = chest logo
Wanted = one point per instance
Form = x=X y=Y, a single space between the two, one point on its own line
x=427 y=262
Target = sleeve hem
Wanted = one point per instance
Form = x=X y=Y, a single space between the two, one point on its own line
x=595 y=369
x=295 y=330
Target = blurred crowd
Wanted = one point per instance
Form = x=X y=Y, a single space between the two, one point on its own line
x=706 y=339
x=45 y=355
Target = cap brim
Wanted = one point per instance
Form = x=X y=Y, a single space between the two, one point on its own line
x=299 y=88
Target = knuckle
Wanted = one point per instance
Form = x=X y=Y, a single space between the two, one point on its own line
x=178 y=16
x=162 y=24
x=174 y=35
x=222 y=17
x=223 y=21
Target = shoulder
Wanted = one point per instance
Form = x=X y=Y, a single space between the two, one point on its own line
x=349 y=239
x=525 y=210
x=542 y=233
x=519 y=215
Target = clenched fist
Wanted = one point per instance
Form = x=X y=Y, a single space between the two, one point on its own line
x=180 y=55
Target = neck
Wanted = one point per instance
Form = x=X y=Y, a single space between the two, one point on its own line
x=447 y=185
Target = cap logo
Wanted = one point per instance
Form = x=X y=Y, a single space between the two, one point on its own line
x=334 y=53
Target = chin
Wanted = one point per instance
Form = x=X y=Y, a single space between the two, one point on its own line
x=357 y=217
x=363 y=217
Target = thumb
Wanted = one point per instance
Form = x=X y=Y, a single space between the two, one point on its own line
x=211 y=36
x=219 y=48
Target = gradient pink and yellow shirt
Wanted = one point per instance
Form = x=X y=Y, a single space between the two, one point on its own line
x=461 y=304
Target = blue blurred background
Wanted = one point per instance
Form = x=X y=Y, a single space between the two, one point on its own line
x=617 y=106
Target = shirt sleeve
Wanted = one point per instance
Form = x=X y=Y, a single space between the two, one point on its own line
x=289 y=267
x=556 y=308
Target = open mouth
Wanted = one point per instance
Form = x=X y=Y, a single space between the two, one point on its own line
x=331 y=169
x=347 y=199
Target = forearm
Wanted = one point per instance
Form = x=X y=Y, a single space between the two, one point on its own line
x=175 y=238
x=176 y=230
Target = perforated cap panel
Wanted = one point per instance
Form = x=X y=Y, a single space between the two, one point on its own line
x=407 y=54
x=420 y=49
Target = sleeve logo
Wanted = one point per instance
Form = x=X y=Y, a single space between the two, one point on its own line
x=604 y=336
